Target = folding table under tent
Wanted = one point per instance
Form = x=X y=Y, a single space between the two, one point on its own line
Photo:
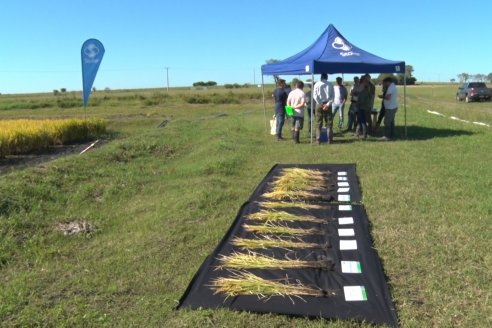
x=331 y=53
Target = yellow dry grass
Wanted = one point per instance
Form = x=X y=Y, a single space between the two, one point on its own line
x=24 y=136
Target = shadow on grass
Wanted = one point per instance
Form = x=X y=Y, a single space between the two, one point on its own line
x=425 y=133
x=414 y=133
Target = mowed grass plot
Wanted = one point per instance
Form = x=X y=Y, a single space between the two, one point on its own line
x=161 y=199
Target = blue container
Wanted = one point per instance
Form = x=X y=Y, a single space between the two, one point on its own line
x=324 y=135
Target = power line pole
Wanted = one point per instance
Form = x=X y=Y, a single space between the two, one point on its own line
x=254 y=77
x=167 y=78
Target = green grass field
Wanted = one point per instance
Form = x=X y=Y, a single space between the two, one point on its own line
x=161 y=199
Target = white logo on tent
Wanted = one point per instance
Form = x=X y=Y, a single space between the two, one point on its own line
x=341 y=44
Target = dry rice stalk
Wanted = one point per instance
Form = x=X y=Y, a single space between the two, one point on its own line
x=286 y=194
x=295 y=183
x=304 y=173
x=272 y=229
x=246 y=283
x=305 y=206
x=270 y=242
x=281 y=216
x=252 y=260
x=286 y=183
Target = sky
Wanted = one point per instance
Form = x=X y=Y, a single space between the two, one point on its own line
x=227 y=41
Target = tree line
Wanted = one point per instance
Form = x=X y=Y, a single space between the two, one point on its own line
x=465 y=77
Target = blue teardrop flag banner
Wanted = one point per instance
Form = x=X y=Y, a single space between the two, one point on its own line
x=92 y=53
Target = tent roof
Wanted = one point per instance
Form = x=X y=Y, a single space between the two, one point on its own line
x=332 y=53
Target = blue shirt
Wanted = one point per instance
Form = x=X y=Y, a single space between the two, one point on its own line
x=280 y=96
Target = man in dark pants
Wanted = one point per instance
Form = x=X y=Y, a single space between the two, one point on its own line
x=280 y=97
x=308 y=107
x=323 y=94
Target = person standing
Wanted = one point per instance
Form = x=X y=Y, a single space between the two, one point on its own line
x=340 y=97
x=382 y=111
x=364 y=106
x=308 y=106
x=280 y=97
x=354 y=98
x=323 y=96
x=372 y=92
x=390 y=101
x=297 y=100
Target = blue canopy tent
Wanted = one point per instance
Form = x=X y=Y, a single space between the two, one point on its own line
x=331 y=53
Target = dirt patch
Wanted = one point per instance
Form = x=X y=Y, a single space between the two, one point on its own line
x=15 y=162
x=75 y=228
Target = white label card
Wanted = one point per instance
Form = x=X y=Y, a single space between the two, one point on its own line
x=347 y=220
x=348 y=245
x=343 y=184
x=342 y=179
x=344 y=207
x=342 y=173
x=344 y=198
x=346 y=232
x=355 y=293
x=351 y=267
x=343 y=189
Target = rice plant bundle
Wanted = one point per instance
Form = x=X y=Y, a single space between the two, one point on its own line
x=282 y=216
x=295 y=183
x=252 y=260
x=272 y=242
x=246 y=283
x=274 y=229
x=303 y=205
x=304 y=173
x=280 y=194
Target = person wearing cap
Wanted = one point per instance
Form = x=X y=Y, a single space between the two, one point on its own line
x=280 y=97
x=323 y=96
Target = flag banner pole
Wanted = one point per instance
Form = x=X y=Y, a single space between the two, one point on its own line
x=264 y=105
x=312 y=105
x=405 y=102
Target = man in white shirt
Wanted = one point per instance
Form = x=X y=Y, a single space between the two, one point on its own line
x=323 y=95
x=297 y=100
x=390 y=101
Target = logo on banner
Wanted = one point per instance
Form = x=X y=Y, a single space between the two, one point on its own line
x=92 y=53
x=340 y=44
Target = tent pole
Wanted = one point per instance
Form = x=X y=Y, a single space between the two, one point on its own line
x=405 y=101
x=312 y=106
x=264 y=105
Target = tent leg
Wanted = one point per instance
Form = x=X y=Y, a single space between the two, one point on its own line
x=405 y=102
x=264 y=105
x=312 y=106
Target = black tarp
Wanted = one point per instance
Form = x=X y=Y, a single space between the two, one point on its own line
x=373 y=302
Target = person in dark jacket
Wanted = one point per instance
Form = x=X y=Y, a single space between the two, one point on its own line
x=365 y=101
x=280 y=96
